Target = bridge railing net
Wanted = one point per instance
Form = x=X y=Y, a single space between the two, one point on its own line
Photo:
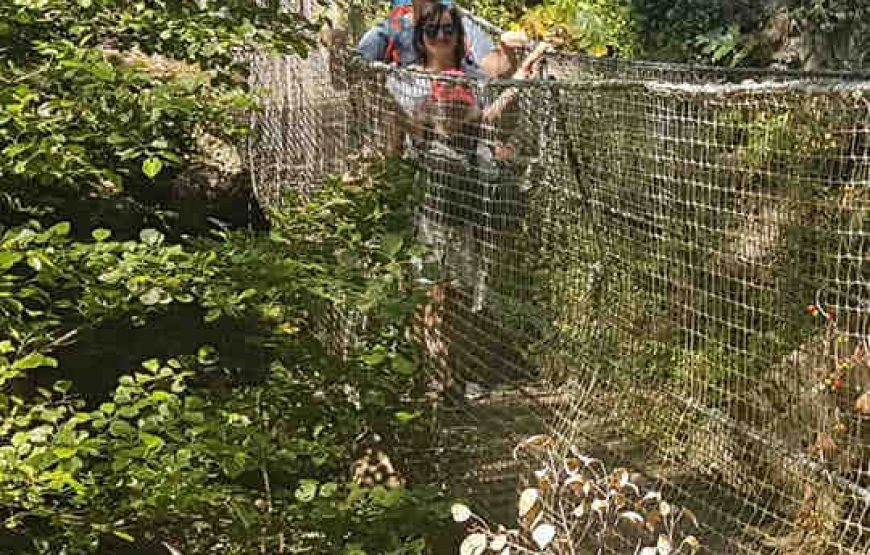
x=671 y=274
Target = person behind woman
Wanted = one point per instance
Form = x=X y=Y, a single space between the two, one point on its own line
x=392 y=40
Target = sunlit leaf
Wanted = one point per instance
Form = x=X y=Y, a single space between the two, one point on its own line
x=62 y=386
x=124 y=536
x=151 y=167
x=151 y=297
x=34 y=360
x=151 y=237
x=63 y=453
x=306 y=491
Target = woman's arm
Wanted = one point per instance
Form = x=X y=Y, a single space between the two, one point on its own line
x=494 y=110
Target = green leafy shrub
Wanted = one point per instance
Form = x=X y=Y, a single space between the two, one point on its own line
x=191 y=452
x=102 y=101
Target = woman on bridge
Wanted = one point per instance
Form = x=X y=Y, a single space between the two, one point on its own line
x=469 y=201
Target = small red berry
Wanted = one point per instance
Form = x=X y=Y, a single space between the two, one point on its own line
x=838 y=384
x=812 y=310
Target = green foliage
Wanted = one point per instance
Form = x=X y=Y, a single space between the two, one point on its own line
x=587 y=25
x=671 y=28
x=501 y=14
x=726 y=45
x=98 y=97
x=183 y=454
x=237 y=449
x=162 y=462
x=831 y=15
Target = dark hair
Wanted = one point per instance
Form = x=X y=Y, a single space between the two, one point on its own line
x=433 y=13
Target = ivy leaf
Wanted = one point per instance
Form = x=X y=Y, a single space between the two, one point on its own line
x=207 y=355
x=151 y=167
x=151 y=441
x=152 y=365
x=34 y=262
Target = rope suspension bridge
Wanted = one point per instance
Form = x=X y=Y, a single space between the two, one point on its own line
x=664 y=265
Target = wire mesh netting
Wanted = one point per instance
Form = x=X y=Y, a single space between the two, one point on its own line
x=662 y=265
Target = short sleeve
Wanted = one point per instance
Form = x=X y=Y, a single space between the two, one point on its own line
x=480 y=43
x=373 y=45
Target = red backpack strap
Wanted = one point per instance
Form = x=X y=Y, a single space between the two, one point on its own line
x=395 y=27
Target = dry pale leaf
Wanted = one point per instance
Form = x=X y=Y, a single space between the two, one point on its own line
x=665 y=508
x=633 y=517
x=543 y=535
x=528 y=500
x=692 y=542
x=498 y=543
x=652 y=496
x=664 y=545
x=460 y=512
x=475 y=544
x=599 y=505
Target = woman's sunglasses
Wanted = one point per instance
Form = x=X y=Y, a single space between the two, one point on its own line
x=432 y=31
